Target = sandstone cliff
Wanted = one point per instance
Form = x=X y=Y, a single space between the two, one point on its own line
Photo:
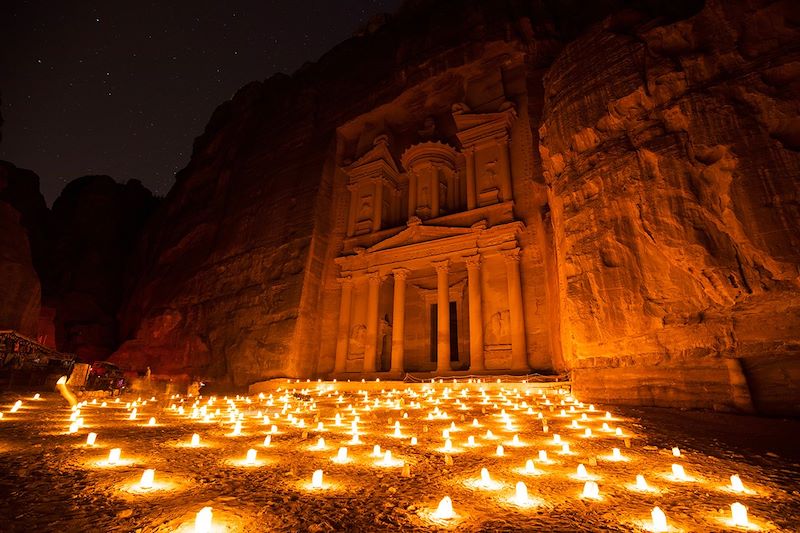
x=662 y=199
x=671 y=157
x=20 y=291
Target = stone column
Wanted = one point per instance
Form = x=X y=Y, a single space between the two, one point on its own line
x=412 y=195
x=377 y=207
x=443 y=317
x=399 y=318
x=519 y=352
x=472 y=197
x=505 y=170
x=351 y=215
x=343 y=333
x=371 y=342
x=435 y=188
x=476 y=361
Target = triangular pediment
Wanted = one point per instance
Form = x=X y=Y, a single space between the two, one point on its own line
x=417 y=234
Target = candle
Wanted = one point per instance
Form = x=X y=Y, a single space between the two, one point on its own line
x=114 y=456
x=148 y=476
x=736 y=483
x=591 y=490
x=659 y=520
x=521 y=494
x=641 y=484
x=739 y=515
x=203 y=521
x=91 y=438
x=445 y=509
x=251 y=457
x=316 y=479
x=195 y=440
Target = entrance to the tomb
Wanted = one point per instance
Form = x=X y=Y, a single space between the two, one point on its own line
x=435 y=331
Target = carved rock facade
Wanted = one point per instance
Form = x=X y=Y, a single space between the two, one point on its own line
x=494 y=192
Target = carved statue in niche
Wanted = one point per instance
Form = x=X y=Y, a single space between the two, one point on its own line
x=365 y=211
x=497 y=331
x=424 y=199
x=358 y=337
x=385 y=335
x=490 y=174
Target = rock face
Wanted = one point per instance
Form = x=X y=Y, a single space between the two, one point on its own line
x=655 y=162
x=79 y=253
x=671 y=156
x=95 y=224
x=23 y=222
x=20 y=292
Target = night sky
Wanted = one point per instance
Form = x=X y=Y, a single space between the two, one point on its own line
x=123 y=87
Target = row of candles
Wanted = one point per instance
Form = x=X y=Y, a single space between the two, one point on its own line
x=206 y=413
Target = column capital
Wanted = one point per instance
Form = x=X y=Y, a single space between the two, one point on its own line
x=473 y=261
x=511 y=256
x=374 y=277
x=441 y=266
x=345 y=280
x=400 y=273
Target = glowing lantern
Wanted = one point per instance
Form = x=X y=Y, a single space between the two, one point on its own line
x=581 y=472
x=341 y=455
x=445 y=509
x=543 y=456
x=530 y=468
x=152 y=421
x=36 y=396
x=16 y=406
x=739 y=515
x=618 y=432
x=659 y=520
x=237 y=429
x=608 y=415
x=641 y=484
x=132 y=415
x=267 y=440
x=521 y=494
x=320 y=443
x=676 y=452
x=515 y=441
x=448 y=445
x=615 y=454
x=273 y=429
x=500 y=452
x=376 y=450
x=91 y=438
x=203 y=521
x=148 y=476
x=587 y=432
x=475 y=422
x=316 y=479
x=736 y=483
x=565 y=448
x=251 y=457
x=114 y=456
x=73 y=428
x=678 y=472
x=195 y=440
x=556 y=438
x=591 y=490
x=413 y=441
x=470 y=441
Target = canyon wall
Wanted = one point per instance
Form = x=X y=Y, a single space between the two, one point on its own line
x=671 y=156
x=662 y=199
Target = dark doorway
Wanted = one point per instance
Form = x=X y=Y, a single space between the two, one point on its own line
x=435 y=331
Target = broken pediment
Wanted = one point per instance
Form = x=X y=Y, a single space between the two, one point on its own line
x=377 y=161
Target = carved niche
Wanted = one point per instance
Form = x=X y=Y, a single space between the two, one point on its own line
x=485 y=141
x=434 y=188
x=374 y=192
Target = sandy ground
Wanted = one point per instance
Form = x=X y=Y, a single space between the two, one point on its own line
x=52 y=481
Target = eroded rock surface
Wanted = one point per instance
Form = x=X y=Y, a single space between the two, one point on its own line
x=20 y=292
x=672 y=161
